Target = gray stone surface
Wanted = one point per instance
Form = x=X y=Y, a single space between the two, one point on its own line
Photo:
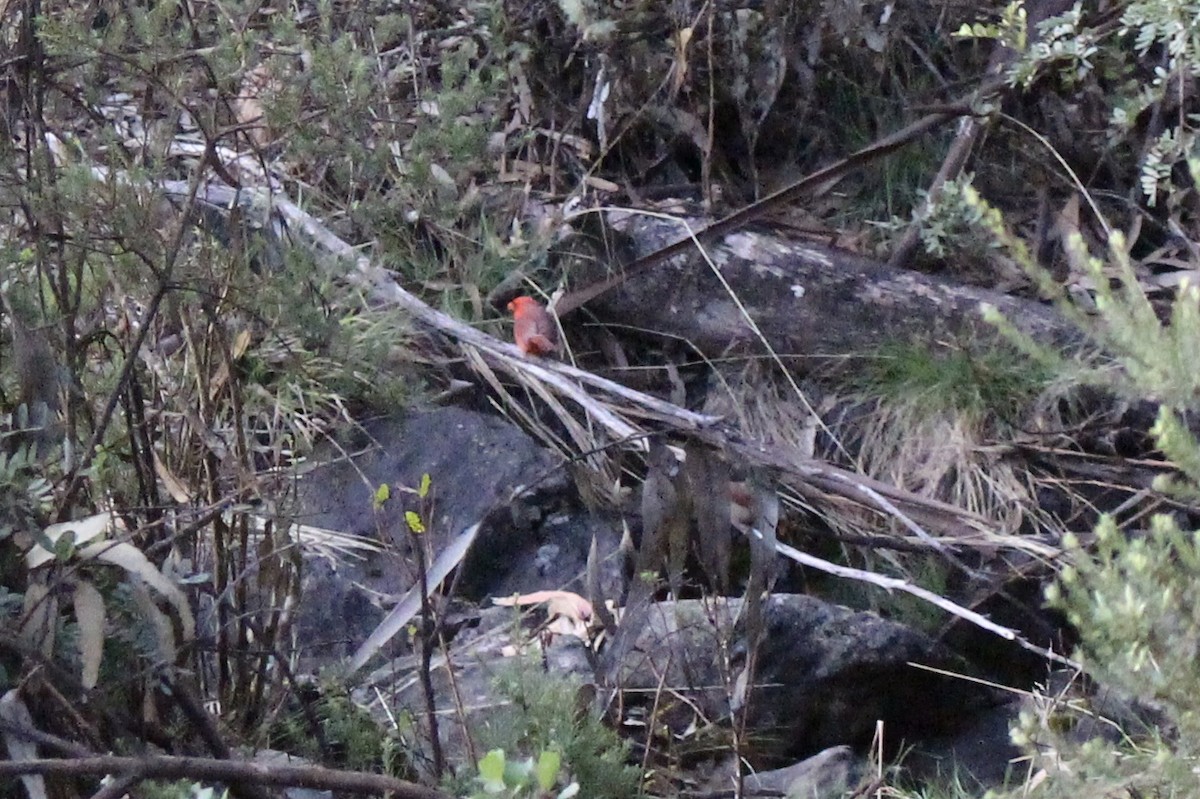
x=827 y=674
x=482 y=468
x=826 y=775
x=824 y=676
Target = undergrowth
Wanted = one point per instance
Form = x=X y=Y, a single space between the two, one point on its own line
x=543 y=712
x=189 y=371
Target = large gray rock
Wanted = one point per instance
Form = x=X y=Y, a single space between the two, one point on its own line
x=482 y=469
x=824 y=675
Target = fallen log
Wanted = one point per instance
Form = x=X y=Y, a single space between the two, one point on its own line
x=805 y=299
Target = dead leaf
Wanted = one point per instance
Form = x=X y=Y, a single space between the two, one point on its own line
x=666 y=520
x=257 y=87
x=708 y=481
x=658 y=502
x=740 y=512
x=600 y=184
x=89 y=615
x=164 y=633
x=558 y=603
x=135 y=562
x=84 y=530
x=581 y=146
x=173 y=484
x=763 y=561
x=240 y=344
x=95 y=529
x=595 y=591
x=39 y=616
x=410 y=603
x=1174 y=280
x=679 y=70
x=561 y=625
x=569 y=613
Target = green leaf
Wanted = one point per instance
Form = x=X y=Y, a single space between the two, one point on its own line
x=382 y=495
x=491 y=771
x=426 y=482
x=64 y=547
x=547 y=769
x=414 y=522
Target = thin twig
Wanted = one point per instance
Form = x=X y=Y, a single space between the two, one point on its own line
x=896 y=584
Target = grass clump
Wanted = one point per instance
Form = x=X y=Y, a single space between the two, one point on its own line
x=924 y=419
x=995 y=380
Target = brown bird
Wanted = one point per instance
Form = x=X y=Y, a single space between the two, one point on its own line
x=533 y=327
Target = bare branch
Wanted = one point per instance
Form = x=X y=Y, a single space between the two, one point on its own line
x=205 y=769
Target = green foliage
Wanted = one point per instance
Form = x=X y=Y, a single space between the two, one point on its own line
x=25 y=493
x=1065 y=46
x=1161 y=33
x=251 y=356
x=532 y=778
x=350 y=730
x=1136 y=603
x=1141 y=70
x=543 y=715
x=355 y=740
x=1153 y=356
x=1131 y=594
x=414 y=519
x=1178 y=444
x=1134 y=599
x=1156 y=357
x=927 y=411
x=1166 y=23
x=948 y=223
x=856 y=114
x=1009 y=29
x=403 y=155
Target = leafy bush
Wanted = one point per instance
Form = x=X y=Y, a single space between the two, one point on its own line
x=544 y=714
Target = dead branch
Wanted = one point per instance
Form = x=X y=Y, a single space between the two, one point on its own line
x=890 y=584
x=164 y=767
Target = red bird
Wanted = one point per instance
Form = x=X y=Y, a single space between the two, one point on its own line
x=533 y=327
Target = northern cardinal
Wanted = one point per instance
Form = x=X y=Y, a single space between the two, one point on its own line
x=533 y=328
